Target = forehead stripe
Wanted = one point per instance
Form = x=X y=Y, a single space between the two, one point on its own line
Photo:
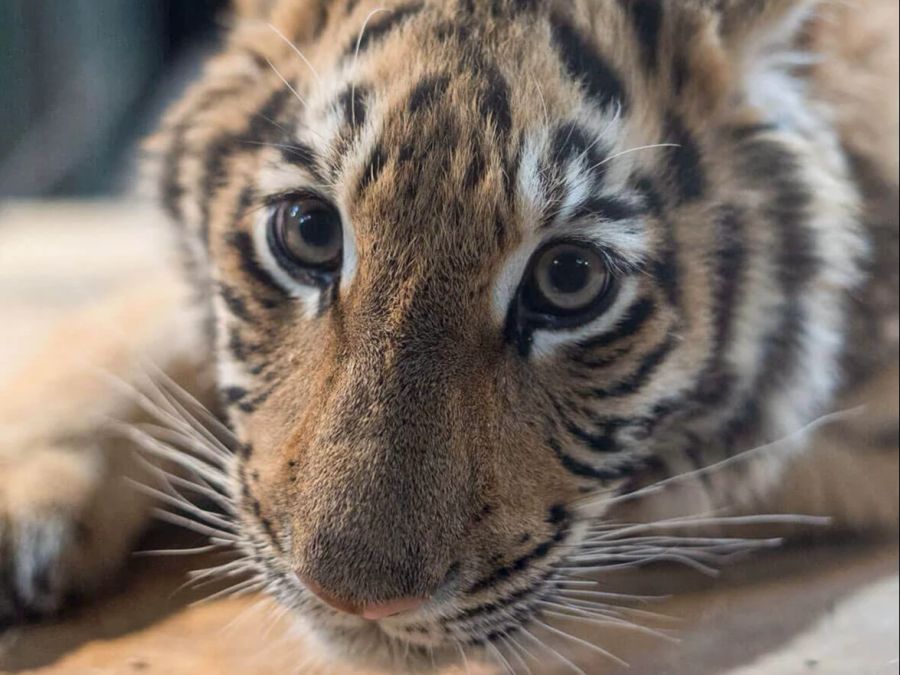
x=607 y=208
x=302 y=155
x=373 y=168
x=353 y=104
x=494 y=103
x=571 y=141
x=586 y=65
x=426 y=92
x=647 y=18
x=689 y=177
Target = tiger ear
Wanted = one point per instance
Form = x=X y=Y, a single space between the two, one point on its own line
x=751 y=30
x=724 y=46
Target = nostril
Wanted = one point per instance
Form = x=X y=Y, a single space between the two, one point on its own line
x=371 y=611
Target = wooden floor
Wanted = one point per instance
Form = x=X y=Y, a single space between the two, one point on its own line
x=815 y=610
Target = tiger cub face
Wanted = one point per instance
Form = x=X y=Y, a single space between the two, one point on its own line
x=476 y=268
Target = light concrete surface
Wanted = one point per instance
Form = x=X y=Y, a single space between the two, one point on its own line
x=824 y=609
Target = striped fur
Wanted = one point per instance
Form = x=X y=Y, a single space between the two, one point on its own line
x=407 y=437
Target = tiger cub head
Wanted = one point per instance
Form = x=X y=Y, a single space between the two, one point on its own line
x=476 y=269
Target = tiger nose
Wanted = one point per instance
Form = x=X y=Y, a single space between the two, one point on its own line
x=370 y=611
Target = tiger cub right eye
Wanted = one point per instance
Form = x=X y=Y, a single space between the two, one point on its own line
x=306 y=233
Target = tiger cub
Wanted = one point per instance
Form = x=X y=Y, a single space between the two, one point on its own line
x=471 y=275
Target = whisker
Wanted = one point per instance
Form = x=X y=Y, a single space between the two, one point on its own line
x=585 y=643
x=286 y=83
x=792 y=437
x=239 y=589
x=512 y=650
x=502 y=659
x=634 y=149
x=356 y=60
x=192 y=525
x=180 y=502
x=297 y=51
x=166 y=552
x=547 y=647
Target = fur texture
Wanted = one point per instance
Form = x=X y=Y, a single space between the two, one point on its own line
x=402 y=433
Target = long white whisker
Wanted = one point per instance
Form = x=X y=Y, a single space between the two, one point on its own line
x=286 y=83
x=166 y=552
x=582 y=642
x=193 y=525
x=792 y=437
x=547 y=647
x=297 y=51
x=180 y=502
x=356 y=61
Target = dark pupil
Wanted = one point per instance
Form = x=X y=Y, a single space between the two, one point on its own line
x=569 y=272
x=316 y=225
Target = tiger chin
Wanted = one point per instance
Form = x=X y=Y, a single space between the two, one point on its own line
x=476 y=273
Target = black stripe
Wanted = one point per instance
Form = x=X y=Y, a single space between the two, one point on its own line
x=172 y=190
x=242 y=243
x=666 y=268
x=494 y=102
x=488 y=608
x=635 y=317
x=571 y=141
x=427 y=91
x=604 y=442
x=522 y=563
x=748 y=131
x=582 y=470
x=373 y=168
x=607 y=208
x=475 y=169
x=302 y=155
x=584 y=63
x=689 y=177
x=727 y=277
x=248 y=406
x=262 y=126
x=239 y=348
x=234 y=302
x=353 y=103
x=647 y=18
x=771 y=167
x=232 y=395
x=381 y=25
x=636 y=380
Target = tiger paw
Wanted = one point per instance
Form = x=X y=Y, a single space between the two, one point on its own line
x=58 y=537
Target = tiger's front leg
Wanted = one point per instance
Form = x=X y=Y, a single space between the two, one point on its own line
x=69 y=511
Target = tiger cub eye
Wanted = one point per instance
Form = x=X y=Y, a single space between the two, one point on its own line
x=307 y=233
x=570 y=277
x=566 y=279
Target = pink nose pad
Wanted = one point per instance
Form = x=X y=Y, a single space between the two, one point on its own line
x=370 y=612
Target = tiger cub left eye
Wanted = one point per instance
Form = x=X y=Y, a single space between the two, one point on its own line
x=567 y=283
x=305 y=235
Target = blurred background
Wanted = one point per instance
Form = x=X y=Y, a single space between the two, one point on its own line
x=84 y=80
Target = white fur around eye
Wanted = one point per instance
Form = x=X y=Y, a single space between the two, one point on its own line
x=309 y=296
x=545 y=342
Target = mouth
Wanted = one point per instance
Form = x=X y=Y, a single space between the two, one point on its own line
x=433 y=637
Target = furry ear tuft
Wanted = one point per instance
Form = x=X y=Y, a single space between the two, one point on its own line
x=751 y=29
